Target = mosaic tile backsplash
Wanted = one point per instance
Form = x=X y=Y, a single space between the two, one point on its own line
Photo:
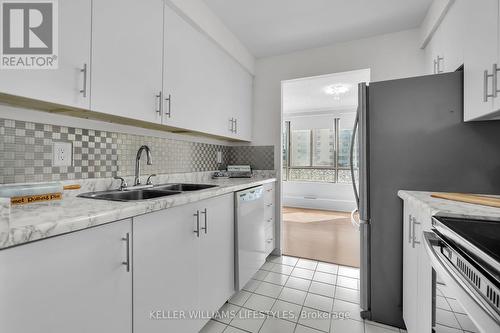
x=26 y=153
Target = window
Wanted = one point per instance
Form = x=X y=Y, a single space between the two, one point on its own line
x=318 y=154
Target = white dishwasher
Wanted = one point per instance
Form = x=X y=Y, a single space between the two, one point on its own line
x=249 y=230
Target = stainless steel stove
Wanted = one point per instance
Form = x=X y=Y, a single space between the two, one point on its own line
x=465 y=257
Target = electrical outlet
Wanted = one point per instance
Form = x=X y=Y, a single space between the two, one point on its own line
x=62 y=154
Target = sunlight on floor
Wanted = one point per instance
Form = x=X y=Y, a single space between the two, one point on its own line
x=320 y=235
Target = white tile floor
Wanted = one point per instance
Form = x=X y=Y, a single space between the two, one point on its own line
x=292 y=295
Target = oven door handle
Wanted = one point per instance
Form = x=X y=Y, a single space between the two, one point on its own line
x=480 y=312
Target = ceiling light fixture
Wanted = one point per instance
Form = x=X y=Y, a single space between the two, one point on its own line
x=337 y=89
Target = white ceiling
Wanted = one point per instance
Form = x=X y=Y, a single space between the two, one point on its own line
x=308 y=94
x=271 y=27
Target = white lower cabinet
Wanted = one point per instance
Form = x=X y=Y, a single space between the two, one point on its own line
x=417 y=271
x=183 y=261
x=269 y=216
x=71 y=283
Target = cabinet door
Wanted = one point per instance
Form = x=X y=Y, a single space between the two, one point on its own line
x=496 y=102
x=216 y=246
x=71 y=283
x=203 y=86
x=127 y=42
x=61 y=85
x=193 y=77
x=241 y=101
x=410 y=272
x=480 y=53
x=165 y=269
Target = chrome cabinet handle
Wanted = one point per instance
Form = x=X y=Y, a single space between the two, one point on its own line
x=486 y=94
x=269 y=205
x=160 y=103
x=410 y=219
x=495 y=89
x=197 y=231
x=438 y=61
x=435 y=66
x=84 y=71
x=414 y=241
x=269 y=240
x=232 y=125
x=126 y=263
x=235 y=125
x=169 y=99
x=269 y=220
x=204 y=212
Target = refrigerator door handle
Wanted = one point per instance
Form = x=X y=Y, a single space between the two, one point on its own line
x=351 y=159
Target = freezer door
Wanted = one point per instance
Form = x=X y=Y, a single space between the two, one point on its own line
x=364 y=202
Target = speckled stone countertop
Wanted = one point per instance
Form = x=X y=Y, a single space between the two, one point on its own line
x=23 y=224
x=443 y=207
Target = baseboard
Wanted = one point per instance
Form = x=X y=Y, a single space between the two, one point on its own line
x=319 y=203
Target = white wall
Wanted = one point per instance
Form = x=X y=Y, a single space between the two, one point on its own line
x=326 y=196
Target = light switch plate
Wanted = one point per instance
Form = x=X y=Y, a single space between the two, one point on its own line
x=62 y=154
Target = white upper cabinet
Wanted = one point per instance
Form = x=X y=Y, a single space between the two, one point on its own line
x=127 y=43
x=480 y=54
x=203 y=86
x=64 y=85
x=444 y=53
x=469 y=35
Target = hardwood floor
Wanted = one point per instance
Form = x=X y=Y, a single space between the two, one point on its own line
x=320 y=235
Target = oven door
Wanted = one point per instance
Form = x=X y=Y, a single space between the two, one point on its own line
x=457 y=305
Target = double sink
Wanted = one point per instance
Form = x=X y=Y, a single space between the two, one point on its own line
x=152 y=192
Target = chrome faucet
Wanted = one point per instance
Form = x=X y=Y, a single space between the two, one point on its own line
x=137 y=181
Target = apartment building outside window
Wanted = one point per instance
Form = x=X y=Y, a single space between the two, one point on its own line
x=317 y=154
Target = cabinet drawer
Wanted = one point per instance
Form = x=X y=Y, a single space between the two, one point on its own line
x=269 y=192
x=269 y=239
x=268 y=213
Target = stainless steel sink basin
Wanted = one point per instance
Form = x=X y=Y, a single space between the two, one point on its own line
x=183 y=187
x=146 y=193
x=133 y=195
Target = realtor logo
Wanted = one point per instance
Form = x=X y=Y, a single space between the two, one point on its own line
x=29 y=37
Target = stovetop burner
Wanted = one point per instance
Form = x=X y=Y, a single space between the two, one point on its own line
x=484 y=235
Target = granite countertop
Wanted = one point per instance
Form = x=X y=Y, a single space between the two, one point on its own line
x=449 y=208
x=31 y=222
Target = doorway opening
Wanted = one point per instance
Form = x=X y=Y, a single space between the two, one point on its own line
x=319 y=219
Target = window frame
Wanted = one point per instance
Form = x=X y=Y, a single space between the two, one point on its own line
x=289 y=154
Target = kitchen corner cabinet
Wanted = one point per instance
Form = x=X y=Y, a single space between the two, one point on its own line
x=71 y=283
x=417 y=278
x=67 y=84
x=183 y=261
x=205 y=89
x=127 y=44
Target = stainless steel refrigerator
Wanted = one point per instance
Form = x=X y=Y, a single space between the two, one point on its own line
x=410 y=135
